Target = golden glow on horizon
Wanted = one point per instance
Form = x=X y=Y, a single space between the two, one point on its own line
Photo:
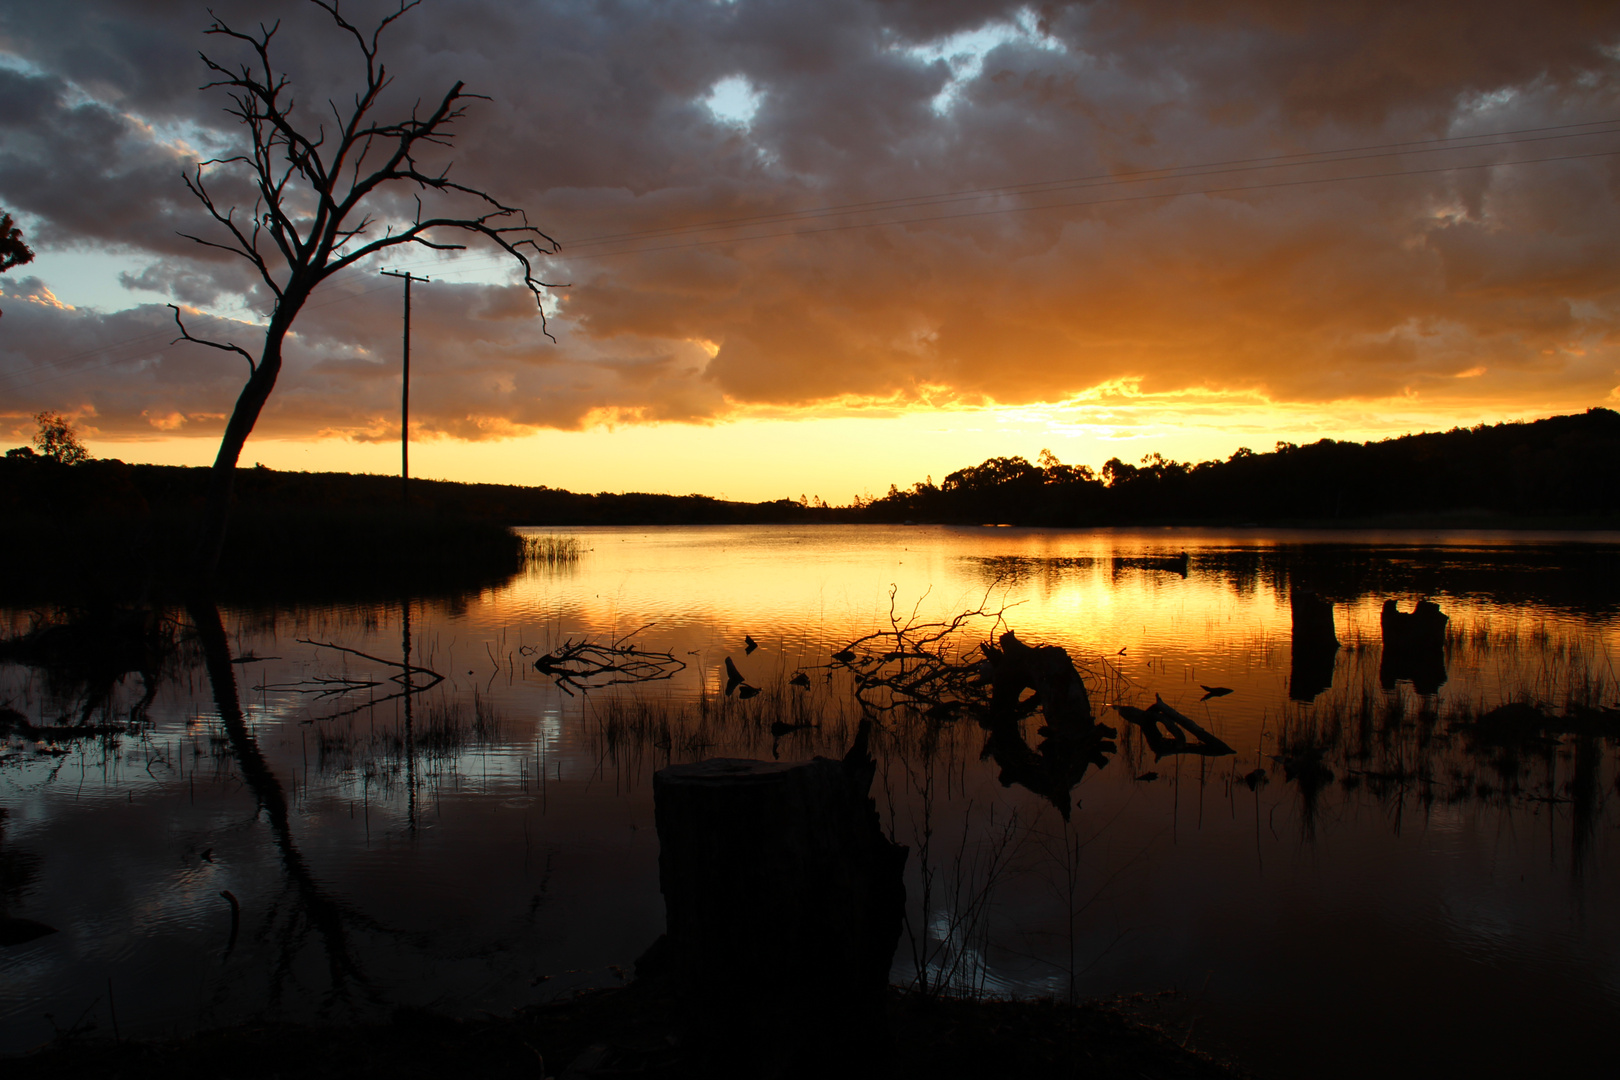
x=856 y=452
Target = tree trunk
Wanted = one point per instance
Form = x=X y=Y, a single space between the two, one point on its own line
x=222 y=477
x=783 y=900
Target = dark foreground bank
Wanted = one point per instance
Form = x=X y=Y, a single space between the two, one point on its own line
x=633 y=1032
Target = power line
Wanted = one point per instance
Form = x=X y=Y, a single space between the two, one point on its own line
x=1048 y=187
x=1315 y=157
x=1092 y=202
x=99 y=350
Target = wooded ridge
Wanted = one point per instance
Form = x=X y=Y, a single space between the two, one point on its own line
x=1565 y=469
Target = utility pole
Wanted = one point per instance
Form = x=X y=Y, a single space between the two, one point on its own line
x=405 y=393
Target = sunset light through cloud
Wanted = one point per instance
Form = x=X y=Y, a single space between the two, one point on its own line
x=821 y=249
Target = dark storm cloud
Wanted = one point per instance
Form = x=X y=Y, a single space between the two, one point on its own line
x=89 y=172
x=1471 y=284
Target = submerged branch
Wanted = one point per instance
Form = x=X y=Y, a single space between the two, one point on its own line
x=588 y=665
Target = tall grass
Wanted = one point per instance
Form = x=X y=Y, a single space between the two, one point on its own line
x=551 y=550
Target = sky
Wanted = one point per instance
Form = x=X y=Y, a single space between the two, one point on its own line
x=815 y=249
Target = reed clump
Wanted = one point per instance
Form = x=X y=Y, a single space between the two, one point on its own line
x=551 y=551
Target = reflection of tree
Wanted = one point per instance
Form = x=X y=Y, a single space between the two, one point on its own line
x=18 y=869
x=86 y=654
x=328 y=917
x=1510 y=756
x=324 y=686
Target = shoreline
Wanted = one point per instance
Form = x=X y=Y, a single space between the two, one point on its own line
x=636 y=1030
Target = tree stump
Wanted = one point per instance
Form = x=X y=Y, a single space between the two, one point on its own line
x=1072 y=741
x=783 y=900
x=1314 y=645
x=1414 y=646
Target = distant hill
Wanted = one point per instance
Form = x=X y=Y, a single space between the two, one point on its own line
x=1562 y=470
x=33 y=485
x=106 y=528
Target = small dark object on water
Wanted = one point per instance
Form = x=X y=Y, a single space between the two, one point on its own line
x=1120 y=653
x=745 y=691
x=734 y=677
x=207 y=855
x=844 y=656
x=779 y=729
x=1170 y=564
x=1147 y=776
x=22 y=931
x=1169 y=731
x=749 y=644
x=1256 y=779
x=1213 y=691
x=800 y=679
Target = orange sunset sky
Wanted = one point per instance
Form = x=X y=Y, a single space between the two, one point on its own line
x=815 y=249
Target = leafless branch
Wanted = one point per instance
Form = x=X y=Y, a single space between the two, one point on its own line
x=405 y=676
x=925 y=666
x=224 y=346
x=313 y=215
x=587 y=665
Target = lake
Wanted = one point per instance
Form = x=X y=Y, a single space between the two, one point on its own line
x=1383 y=876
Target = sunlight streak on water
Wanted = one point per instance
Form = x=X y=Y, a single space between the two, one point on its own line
x=499 y=848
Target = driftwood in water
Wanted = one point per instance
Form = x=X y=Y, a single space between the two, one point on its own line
x=1072 y=741
x=1176 y=727
x=588 y=665
x=1045 y=669
x=921 y=666
x=1170 y=564
x=1414 y=646
x=783 y=900
x=1314 y=645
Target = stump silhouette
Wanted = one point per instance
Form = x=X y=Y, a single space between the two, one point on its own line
x=1414 y=646
x=1314 y=645
x=783 y=900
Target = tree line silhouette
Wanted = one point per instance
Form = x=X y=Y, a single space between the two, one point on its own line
x=72 y=512
x=1564 y=467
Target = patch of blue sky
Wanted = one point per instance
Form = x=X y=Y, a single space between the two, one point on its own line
x=733 y=100
x=12 y=62
x=964 y=52
x=86 y=277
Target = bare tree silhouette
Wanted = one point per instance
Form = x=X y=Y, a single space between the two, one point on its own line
x=316 y=211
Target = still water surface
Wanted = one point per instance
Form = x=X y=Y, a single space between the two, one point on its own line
x=1370 y=884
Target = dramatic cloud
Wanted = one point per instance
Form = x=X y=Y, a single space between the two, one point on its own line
x=786 y=207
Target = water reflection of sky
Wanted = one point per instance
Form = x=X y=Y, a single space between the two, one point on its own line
x=512 y=855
